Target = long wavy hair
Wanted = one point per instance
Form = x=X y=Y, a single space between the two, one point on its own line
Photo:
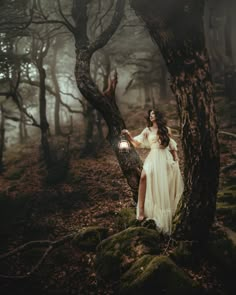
x=162 y=130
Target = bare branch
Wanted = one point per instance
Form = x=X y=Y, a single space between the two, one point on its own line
x=21 y=25
x=69 y=25
x=228 y=133
x=110 y=30
x=15 y=119
x=69 y=94
x=37 y=84
x=51 y=21
x=44 y=243
x=69 y=108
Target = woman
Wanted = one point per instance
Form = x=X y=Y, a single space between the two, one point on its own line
x=161 y=183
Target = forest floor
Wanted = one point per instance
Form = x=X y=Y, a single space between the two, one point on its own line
x=93 y=193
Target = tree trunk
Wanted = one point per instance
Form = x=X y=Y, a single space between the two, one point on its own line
x=89 y=126
x=99 y=127
x=57 y=91
x=22 y=126
x=105 y=103
x=130 y=163
x=44 y=126
x=178 y=31
x=2 y=139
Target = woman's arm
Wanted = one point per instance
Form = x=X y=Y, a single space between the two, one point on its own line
x=173 y=147
x=175 y=155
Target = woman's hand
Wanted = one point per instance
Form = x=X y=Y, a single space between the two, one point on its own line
x=125 y=132
x=176 y=159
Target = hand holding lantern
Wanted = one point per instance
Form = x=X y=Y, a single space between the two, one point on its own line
x=124 y=144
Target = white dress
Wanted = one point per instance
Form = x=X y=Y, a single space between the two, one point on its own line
x=164 y=182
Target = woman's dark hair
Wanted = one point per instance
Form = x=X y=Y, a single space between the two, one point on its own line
x=162 y=130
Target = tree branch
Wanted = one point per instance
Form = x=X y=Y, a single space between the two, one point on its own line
x=110 y=30
x=68 y=24
x=51 y=245
x=69 y=108
x=228 y=133
x=52 y=21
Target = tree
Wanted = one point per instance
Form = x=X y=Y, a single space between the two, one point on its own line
x=2 y=137
x=104 y=102
x=177 y=28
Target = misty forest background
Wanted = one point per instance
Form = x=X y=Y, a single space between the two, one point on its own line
x=58 y=171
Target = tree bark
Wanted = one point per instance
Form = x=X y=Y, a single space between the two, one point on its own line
x=105 y=103
x=2 y=139
x=57 y=91
x=178 y=31
x=44 y=126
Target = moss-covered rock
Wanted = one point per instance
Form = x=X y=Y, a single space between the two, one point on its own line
x=126 y=218
x=222 y=251
x=116 y=254
x=149 y=223
x=159 y=273
x=90 y=237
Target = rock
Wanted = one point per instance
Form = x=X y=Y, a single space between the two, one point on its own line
x=150 y=223
x=90 y=237
x=126 y=218
x=222 y=250
x=160 y=273
x=116 y=254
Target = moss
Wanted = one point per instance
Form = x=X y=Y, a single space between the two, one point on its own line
x=158 y=273
x=228 y=189
x=226 y=206
x=125 y=218
x=90 y=237
x=223 y=208
x=122 y=249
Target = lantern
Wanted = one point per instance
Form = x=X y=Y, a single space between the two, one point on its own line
x=123 y=145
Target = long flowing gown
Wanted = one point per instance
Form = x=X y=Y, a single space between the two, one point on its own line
x=164 y=182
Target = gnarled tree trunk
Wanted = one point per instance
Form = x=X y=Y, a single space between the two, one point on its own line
x=104 y=102
x=178 y=30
